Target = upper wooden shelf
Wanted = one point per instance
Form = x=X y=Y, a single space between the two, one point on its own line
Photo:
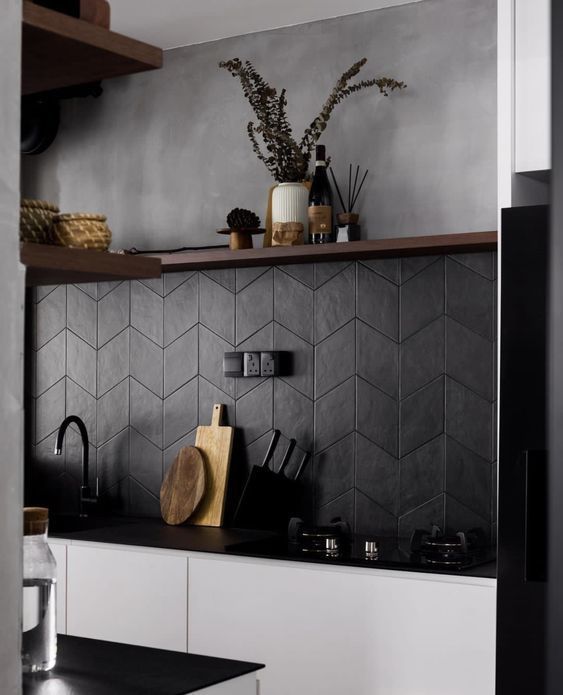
x=347 y=251
x=62 y=51
x=54 y=265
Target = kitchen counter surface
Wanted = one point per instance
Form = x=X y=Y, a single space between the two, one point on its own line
x=93 y=667
x=154 y=533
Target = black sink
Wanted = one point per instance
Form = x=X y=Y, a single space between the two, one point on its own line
x=72 y=523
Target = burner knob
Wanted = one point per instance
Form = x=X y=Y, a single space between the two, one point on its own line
x=371 y=550
x=331 y=546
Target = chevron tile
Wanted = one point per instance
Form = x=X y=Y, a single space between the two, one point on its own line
x=377 y=417
x=392 y=384
x=377 y=474
x=422 y=416
x=254 y=411
x=49 y=316
x=180 y=412
x=370 y=515
x=50 y=364
x=335 y=303
x=333 y=474
x=81 y=363
x=293 y=305
x=217 y=308
x=80 y=402
x=147 y=362
x=181 y=360
x=469 y=419
x=378 y=302
x=334 y=415
x=422 y=474
x=112 y=412
x=113 y=460
x=113 y=313
x=146 y=411
x=470 y=299
x=113 y=362
x=254 y=306
x=431 y=513
x=422 y=298
x=377 y=359
x=180 y=310
x=335 y=359
x=147 y=312
x=82 y=315
x=145 y=462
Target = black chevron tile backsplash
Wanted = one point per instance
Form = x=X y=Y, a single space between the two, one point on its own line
x=392 y=386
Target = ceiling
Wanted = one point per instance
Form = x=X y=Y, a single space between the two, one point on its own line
x=172 y=23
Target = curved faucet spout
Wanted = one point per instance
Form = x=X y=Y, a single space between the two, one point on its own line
x=74 y=419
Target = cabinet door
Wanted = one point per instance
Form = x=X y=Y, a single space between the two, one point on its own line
x=329 y=631
x=58 y=548
x=532 y=85
x=127 y=595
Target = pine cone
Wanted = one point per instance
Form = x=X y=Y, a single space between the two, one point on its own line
x=242 y=219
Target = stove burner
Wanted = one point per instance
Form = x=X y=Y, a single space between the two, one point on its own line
x=327 y=541
x=436 y=548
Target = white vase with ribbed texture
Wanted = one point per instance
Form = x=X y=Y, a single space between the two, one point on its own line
x=290 y=203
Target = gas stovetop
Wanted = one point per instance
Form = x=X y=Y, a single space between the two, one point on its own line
x=427 y=549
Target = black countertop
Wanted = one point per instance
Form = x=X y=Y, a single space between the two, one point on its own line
x=154 y=533
x=93 y=667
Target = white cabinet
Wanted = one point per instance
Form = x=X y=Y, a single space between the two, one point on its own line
x=532 y=88
x=328 y=631
x=58 y=548
x=124 y=594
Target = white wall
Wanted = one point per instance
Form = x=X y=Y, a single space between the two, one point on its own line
x=11 y=351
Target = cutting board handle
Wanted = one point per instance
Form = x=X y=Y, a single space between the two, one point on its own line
x=217 y=416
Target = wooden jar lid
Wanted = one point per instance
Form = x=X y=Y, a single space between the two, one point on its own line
x=35 y=520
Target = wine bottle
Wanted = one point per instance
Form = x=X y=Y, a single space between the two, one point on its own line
x=320 y=202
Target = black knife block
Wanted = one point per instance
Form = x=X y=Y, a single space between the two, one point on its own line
x=267 y=502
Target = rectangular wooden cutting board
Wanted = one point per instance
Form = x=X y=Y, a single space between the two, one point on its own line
x=215 y=442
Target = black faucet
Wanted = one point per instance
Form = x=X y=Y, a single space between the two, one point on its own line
x=85 y=494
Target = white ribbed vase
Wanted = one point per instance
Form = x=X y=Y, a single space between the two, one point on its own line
x=290 y=203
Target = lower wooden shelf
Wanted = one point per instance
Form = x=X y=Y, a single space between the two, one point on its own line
x=347 y=251
x=55 y=265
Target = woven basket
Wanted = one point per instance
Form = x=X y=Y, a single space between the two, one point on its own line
x=36 y=217
x=81 y=230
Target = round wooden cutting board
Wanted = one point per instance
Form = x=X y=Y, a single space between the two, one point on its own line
x=183 y=486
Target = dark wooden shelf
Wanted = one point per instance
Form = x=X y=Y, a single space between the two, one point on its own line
x=348 y=251
x=62 y=51
x=54 y=265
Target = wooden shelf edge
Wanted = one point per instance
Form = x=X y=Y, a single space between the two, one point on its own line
x=55 y=265
x=126 y=55
x=470 y=242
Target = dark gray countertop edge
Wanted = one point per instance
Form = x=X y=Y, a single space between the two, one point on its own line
x=154 y=533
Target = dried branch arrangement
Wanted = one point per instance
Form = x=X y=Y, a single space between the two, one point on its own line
x=286 y=158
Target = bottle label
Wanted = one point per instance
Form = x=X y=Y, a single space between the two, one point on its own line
x=320 y=219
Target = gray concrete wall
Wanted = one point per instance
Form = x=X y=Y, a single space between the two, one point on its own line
x=11 y=349
x=166 y=154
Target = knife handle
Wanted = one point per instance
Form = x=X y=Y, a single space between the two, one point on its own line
x=271 y=448
x=287 y=455
x=304 y=462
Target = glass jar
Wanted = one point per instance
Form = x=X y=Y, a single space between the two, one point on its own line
x=39 y=639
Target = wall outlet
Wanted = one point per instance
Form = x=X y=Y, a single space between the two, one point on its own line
x=233 y=364
x=269 y=363
x=251 y=364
